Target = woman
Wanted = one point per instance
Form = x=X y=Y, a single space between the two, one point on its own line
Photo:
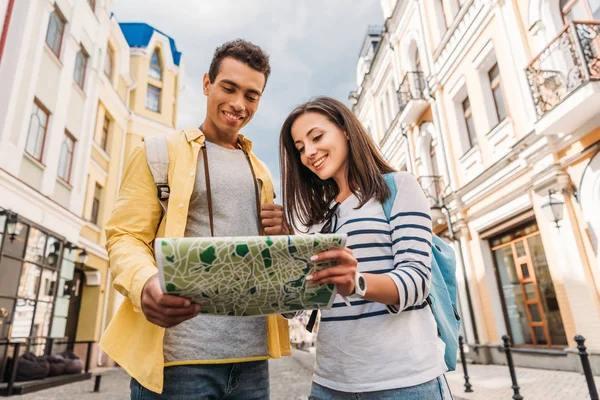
x=385 y=345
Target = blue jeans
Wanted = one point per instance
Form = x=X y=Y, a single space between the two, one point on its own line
x=248 y=380
x=436 y=389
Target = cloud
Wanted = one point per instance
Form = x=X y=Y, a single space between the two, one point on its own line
x=313 y=45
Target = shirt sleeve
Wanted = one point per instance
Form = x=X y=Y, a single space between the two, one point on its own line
x=410 y=225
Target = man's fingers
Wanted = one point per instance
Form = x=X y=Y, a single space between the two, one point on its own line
x=167 y=321
x=273 y=222
x=167 y=300
x=271 y=214
x=271 y=207
x=177 y=311
x=274 y=230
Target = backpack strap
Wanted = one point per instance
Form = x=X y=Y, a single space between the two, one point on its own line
x=157 y=157
x=390 y=180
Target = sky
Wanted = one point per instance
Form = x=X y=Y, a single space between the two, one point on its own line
x=313 y=47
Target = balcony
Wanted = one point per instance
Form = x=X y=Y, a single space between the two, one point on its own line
x=411 y=98
x=564 y=79
x=433 y=186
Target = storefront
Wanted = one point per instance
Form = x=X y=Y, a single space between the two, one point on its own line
x=41 y=284
x=530 y=307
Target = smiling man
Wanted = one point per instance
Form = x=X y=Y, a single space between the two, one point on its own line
x=217 y=188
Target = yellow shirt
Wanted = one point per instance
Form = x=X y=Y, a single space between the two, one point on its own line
x=130 y=340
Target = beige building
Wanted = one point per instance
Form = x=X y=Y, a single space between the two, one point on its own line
x=495 y=106
x=79 y=91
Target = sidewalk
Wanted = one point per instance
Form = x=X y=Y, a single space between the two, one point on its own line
x=492 y=382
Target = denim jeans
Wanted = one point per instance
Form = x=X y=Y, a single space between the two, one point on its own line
x=436 y=389
x=248 y=380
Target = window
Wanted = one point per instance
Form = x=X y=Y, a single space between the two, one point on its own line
x=153 y=98
x=36 y=135
x=105 y=130
x=92 y=4
x=580 y=10
x=66 y=157
x=494 y=75
x=56 y=29
x=466 y=105
x=155 y=70
x=96 y=204
x=80 y=66
x=108 y=63
x=384 y=114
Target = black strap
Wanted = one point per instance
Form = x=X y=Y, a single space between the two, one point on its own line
x=312 y=320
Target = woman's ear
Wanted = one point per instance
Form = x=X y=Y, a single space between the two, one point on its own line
x=346 y=134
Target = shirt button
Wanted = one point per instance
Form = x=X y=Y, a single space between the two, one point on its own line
x=191 y=174
x=181 y=206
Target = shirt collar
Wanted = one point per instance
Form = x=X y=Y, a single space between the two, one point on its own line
x=195 y=134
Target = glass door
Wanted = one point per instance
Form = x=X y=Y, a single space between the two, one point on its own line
x=527 y=289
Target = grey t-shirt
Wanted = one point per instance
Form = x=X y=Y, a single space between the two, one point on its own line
x=209 y=337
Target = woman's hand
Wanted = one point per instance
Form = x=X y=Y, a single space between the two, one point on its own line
x=342 y=274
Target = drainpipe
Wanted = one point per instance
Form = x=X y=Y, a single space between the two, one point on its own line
x=436 y=116
x=7 y=17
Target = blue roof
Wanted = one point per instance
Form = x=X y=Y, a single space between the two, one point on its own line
x=138 y=34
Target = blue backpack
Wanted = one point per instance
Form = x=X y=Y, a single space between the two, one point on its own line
x=442 y=294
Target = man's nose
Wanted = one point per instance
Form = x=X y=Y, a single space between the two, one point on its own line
x=237 y=104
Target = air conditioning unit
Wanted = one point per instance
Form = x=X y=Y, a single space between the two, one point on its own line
x=93 y=278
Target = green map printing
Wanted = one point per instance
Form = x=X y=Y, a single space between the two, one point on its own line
x=246 y=276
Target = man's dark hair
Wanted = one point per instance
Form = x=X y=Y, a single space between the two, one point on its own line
x=243 y=51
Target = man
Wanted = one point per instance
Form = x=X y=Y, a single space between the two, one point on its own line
x=217 y=187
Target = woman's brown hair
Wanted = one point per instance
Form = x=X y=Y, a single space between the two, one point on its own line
x=306 y=197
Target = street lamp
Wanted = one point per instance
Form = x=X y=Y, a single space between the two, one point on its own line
x=12 y=224
x=553 y=208
x=82 y=257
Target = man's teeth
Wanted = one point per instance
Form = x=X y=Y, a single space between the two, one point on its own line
x=232 y=116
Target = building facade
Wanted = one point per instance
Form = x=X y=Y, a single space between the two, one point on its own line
x=80 y=90
x=494 y=106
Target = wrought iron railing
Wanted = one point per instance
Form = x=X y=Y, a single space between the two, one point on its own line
x=571 y=60
x=411 y=88
x=11 y=350
x=433 y=186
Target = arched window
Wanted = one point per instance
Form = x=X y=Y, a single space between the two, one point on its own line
x=580 y=10
x=155 y=66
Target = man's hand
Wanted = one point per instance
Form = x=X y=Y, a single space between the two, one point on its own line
x=273 y=220
x=163 y=309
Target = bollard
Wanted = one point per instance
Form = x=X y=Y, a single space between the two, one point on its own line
x=511 y=368
x=97 y=383
x=587 y=369
x=464 y=364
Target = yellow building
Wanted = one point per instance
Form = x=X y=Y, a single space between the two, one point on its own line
x=139 y=92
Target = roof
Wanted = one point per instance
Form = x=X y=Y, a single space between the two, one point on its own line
x=138 y=34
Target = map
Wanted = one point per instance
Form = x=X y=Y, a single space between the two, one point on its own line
x=247 y=276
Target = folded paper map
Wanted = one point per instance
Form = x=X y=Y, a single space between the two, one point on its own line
x=247 y=276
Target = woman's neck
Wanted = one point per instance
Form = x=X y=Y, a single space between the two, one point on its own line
x=343 y=188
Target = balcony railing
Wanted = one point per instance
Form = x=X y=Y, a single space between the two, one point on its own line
x=433 y=186
x=411 y=88
x=571 y=60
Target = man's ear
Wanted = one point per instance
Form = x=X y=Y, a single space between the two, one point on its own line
x=205 y=84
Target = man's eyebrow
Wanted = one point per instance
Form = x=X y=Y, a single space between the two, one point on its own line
x=232 y=83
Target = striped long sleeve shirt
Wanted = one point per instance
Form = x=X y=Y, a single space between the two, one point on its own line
x=370 y=346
